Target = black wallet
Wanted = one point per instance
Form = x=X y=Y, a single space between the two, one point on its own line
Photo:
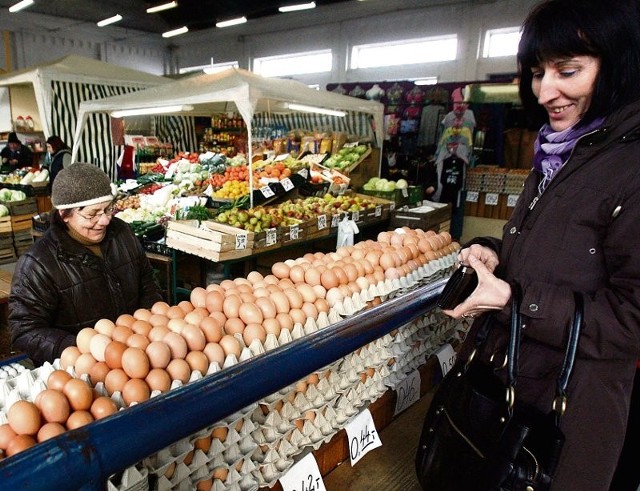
x=461 y=284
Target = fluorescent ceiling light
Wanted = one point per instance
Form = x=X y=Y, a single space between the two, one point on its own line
x=175 y=32
x=314 y=109
x=20 y=5
x=150 y=110
x=426 y=81
x=110 y=20
x=164 y=6
x=231 y=22
x=299 y=6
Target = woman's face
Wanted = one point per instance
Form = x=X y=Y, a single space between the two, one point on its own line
x=565 y=87
x=92 y=221
x=49 y=148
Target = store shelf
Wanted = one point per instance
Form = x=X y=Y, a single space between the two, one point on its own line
x=84 y=458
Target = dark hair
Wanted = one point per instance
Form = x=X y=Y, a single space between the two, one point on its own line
x=56 y=143
x=608 y=30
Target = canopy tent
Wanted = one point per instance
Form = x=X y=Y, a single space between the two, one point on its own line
x=235 y=90
x=61 y=85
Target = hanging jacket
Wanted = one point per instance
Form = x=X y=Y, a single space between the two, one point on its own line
x=59 y=287
x=581 y=235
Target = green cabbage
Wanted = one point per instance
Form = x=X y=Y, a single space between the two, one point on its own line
x=4 y=211
x=5 y=194
x=17 y=195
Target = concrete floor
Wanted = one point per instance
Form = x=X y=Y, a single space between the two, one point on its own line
x=391 y=466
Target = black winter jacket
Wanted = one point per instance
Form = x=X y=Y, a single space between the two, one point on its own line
x=59 y=287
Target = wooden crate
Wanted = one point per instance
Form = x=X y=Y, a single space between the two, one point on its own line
x=7 y=255
x=24 y=207
x=421 y=218
x=213 y=241
x=21 y=222
x=5 y=225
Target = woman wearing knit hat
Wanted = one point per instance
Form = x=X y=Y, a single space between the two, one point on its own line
x=88 y=266
x=15 y=154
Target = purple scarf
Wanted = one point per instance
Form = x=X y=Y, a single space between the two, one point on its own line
x=552 y=149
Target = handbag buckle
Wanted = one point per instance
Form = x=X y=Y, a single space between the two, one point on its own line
x=511 y=396
x=560 y=404
x=504 y=361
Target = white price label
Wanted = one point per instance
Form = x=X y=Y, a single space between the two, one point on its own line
x=241 y=240
x=304 y=173
x=287 y=184
x=512 y=199
x=446 y=357
x=405 y=193
x=378 y=211
x=362 y=436
x=392 y=206
x=294 y=230
x=271 y=237
x=472 y=196
x=355 y=215
x=322 y=222
x=335 y=221
x=491 y=199
x=303 y=476
x=267 y=192
x=408 y=392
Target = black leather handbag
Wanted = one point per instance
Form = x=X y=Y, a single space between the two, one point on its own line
x=478 y=437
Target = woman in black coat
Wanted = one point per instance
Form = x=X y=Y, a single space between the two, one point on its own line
x=60 y=157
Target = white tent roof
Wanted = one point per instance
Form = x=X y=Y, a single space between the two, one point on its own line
x=78 y=69
x=229 y=91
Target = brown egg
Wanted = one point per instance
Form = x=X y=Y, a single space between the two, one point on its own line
x=253 y=332
x=312 y=276
x=6 y=435
x=294 y=297
x=298 y=316
x=79 y=394
x=135 y=363
x=186 y=306
x=196 y=315
x=322 y=305
x=231 y=306
x=177 y=324
x=143 y=314
x=220 y=432
x=328 y=279
x=281 y=301
x=212 y=329
x=250 y=313
x=214 y=353
x=271 y=326
x=158 y=320
x=234 y=325
x=296 y=273
x=341 y=275
x=175 y=312
x=83 y=338
x=98 y=372
x=50 y=430
x=177 y=345
x=98 y=344
x=84 y=363
x=214 y=301
x=53 y=406
x=57 y=379
x=158 y=333
x=158 y=379
x=78 y=419
x=179 y=370
x=138 y=341
x=113 y=354
x=115 y=380
x=159 y=354
x=104 y=326
x=280 y=270
x=142 y=326
x=135 y=390
x=24 y=418
x=102 y=407
x=197 y=360
x=205 y=484
x=230 y=345
x=194 y=337
x=198 y=297
x=20 y=443
x=285 y=320
x=125 y=320
x=160 y=307
x=310 y=310
x=69 y=356
x=121 y=333
x=219 y=316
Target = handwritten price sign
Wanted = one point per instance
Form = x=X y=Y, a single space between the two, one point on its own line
x=303 y=476
x=363 y=436
x=446 y=357
x=408 y=392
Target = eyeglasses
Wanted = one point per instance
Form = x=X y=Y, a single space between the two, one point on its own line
x=108 y=212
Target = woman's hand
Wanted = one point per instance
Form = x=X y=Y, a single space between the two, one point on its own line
x=492 y=293
x=487 y=256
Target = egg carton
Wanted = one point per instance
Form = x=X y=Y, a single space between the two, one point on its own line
x=132 y=479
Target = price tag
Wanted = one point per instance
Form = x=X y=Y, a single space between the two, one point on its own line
x=303 y=476
x=408 y=392
x=287 y=184
x=392 y=206
x=472 y=196
x=304 y=173
x=335 y=220
x=293 y=232
x=362 y=435
x=241 y=240
x=322 y=222
x=351 y=145
x=271 y=237
x=446 y=357
x=355 y=216
x=491 y=199
x=267 y=192
x=378 y=211
x=512 y=200
x=405 y=192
